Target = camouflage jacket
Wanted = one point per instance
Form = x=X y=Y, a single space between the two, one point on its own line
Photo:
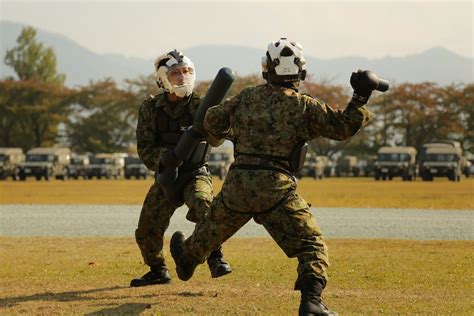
x=149 y=147
x=272 y=120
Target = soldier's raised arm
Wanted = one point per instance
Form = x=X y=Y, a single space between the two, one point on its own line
x=217 y=119
x=148 y=148
x=323 y=120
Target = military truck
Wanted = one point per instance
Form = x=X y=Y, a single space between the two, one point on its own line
x=397 y=161
x=466 y=165
x=313 y=167
x=329 y=168
x=105 y=166
x=441 y=159
x=368 y=168
x=220 y=160
x=10 y=162
x=46 y=162
x=347 y=166
x=79 y=166
x=134 y=167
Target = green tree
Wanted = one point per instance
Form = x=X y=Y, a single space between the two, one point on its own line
x=31 y=60
x=104 y=119
x=32 y=112
x=33 y=106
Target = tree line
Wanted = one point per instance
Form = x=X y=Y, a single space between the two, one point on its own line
x=37 y=109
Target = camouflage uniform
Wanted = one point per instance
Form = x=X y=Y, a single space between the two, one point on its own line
x=265 y=123
x=152 y=143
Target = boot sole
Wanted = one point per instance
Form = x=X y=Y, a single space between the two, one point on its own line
x=138 y=284
x=220 y=274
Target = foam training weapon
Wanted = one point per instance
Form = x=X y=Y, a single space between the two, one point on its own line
x=172 y=159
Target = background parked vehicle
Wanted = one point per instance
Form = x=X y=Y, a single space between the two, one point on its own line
x=347 y=166
x=441 y=159
x=134 y=167
x=46 y=162
x=220 y=159
x=79 y=166
x=396 y=161
x=105 y=166
x=11 y=160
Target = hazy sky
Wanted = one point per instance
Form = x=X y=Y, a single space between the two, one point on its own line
x=325 y=29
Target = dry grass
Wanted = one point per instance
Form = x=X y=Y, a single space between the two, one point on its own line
x=331 y=192
x=52 y=276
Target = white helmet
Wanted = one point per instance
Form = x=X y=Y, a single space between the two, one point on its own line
x=174 y=59
x=284 y=62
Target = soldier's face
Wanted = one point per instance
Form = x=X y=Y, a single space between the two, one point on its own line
x=180 y=75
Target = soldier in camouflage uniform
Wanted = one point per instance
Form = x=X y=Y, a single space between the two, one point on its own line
x=161 y=122
x=268 y=124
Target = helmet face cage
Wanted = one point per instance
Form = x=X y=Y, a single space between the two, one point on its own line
x=174 y=59
x=284 y=62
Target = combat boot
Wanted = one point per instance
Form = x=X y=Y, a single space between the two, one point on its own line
x=156 y=275
x=311 y=303
x=184 y=266
x=217 y=265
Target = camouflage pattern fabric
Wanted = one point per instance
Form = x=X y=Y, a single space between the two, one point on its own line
x=156 y=211
x=268 y=120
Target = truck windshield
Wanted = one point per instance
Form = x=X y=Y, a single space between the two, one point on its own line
x=101 y=161
x=393 y=157
x=440 y=157
x=39 y=158
x=132 y=160
x=76 y=161
x=218 y=157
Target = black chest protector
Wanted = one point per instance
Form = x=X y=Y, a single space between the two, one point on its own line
x=169 y=131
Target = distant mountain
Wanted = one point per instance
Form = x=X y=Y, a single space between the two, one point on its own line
x=82 y=65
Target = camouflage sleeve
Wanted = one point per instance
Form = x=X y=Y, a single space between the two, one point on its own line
x=324 y=121
x=217 y=119
x=197 y=99
x=147 y=149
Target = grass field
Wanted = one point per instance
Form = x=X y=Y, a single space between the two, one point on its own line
x=331 y=192
x=63 y=276
x=53 y=276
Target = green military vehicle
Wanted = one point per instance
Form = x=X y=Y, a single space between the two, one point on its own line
x=46 y=162
x=466 y=166
x=105 y=166
x=220 y=159
x=313 y=166
x=134 y=167
x=397 y=161
x=79 y=166
x=369 y=166
x=11 y=160
x=347 y=166
x=440 y=159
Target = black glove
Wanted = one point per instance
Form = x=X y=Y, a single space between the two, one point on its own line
x=363 y=83
x=363 y=86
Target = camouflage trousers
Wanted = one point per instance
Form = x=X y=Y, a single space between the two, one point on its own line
x=157 y=211
x=248 y=194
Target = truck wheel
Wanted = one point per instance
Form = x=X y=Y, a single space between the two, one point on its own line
x=22 y=175
x=16 y=175
x=38 y=177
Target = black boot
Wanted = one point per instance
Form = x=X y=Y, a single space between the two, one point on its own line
x=184 y=267
x=217 y=265
x=156 y=275
x=311 y=303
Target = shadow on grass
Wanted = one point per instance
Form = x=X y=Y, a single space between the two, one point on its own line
x=125 y=309
x=59 y=297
